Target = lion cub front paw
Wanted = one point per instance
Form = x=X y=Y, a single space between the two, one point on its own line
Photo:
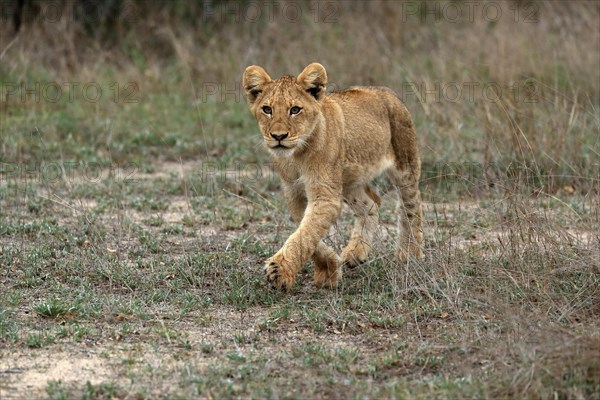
x=355 y=254
x=327 y=278
x=407 y=251
x=279 y=272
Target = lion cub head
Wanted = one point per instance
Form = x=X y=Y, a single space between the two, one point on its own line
x=287 y=109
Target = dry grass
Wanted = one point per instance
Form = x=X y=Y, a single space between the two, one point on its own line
x=543 y=120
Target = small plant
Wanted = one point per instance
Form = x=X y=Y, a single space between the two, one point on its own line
x=56 y=391
x=54 y=309
x=37 y=340
x=207 y=348
x=7 y=325
x=99 y=391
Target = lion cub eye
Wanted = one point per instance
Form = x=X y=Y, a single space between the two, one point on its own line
x=267 y=110
x=295 y=110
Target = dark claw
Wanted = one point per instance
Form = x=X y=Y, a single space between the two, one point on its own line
x=354 y=263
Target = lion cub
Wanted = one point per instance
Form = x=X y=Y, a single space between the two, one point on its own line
x=327 y=148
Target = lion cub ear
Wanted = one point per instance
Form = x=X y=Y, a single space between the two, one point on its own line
x=313 y=79
x=254 y=78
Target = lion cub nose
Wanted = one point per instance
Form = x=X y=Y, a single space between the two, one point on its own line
x=279 y=137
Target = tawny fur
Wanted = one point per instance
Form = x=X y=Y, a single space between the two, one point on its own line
x=333 y=147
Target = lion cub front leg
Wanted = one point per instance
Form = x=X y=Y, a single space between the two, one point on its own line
x=315 y=220
x=281 y=272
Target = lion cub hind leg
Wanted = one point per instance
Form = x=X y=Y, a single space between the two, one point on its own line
x=410 y=235
x=365 y=204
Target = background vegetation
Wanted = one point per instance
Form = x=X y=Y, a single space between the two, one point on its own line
x=137 y=204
